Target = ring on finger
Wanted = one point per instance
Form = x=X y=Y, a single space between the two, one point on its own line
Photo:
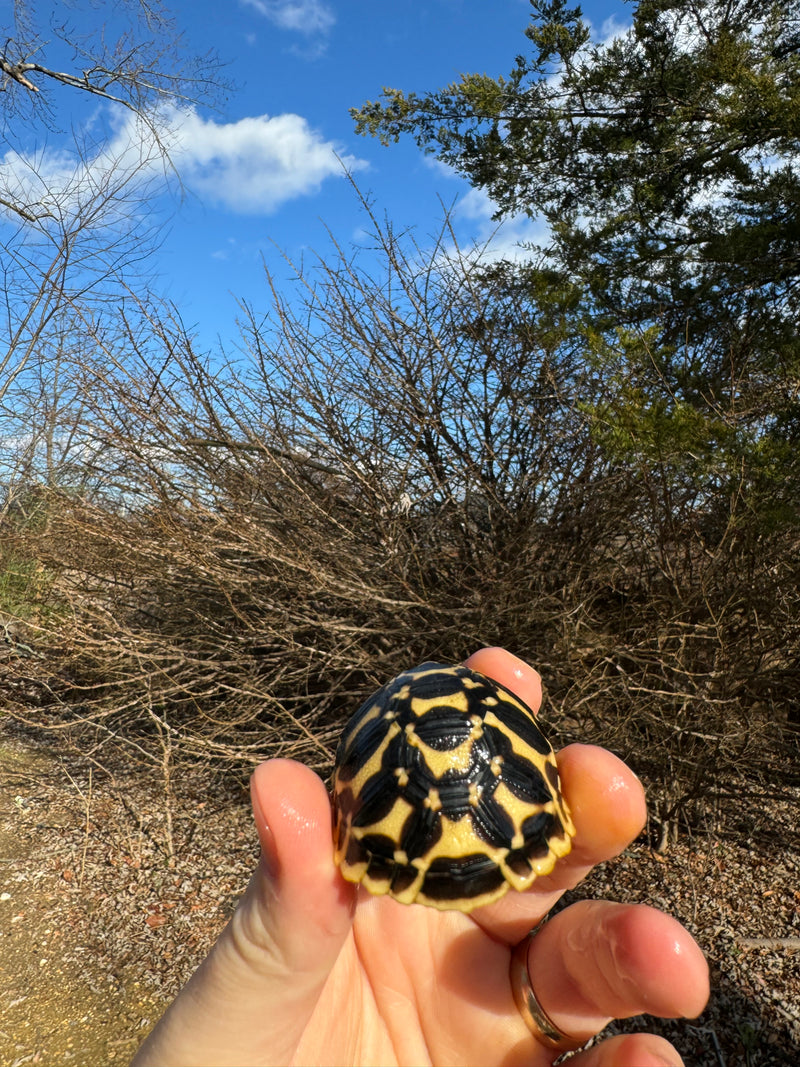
x=536 y=1018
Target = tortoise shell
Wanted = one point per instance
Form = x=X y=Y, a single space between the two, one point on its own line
x=446 y=792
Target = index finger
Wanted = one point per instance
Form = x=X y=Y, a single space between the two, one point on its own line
x=510 y=671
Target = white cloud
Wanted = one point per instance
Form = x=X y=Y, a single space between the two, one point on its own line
x=250 y=166
x=302 y=16
x=509 y=239
x=256 y=164
x=482 y=237
x=610 y=29
x=91 y=183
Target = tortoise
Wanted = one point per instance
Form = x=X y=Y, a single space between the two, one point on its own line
x=446 y=792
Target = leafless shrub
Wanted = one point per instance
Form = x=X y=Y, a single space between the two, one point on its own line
x=398 y=466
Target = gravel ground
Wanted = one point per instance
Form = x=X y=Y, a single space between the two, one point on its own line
x=740 y=897
x=110 y=895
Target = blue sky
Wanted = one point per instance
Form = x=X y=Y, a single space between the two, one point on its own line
x=261 y=173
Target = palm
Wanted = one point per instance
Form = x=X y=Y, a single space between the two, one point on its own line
x=415 y=985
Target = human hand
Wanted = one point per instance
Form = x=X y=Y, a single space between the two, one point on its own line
x=313 y=970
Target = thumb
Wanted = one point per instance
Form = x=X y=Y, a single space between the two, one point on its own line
x=252 y=998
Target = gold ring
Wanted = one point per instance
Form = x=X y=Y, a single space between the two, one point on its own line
x=536 y=1018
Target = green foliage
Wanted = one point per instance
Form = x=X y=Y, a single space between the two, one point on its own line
x=688 y=98
x=20 y=587
x=643 y=150
x=666 y=163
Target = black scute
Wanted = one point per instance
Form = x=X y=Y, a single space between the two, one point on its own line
x=363 y=746
x=379 y=847
x=454 y=795
x=537 y=831
x=431 y=680
x=380 y=868
x=492 y=823
x=494 y=743
x=421 y=831
x=400 y=755
x=517 y=861
x=469 y=876
x=376 y=799
x=443 y=728
x=522 y=724
x=403 y=878
x=525 y=780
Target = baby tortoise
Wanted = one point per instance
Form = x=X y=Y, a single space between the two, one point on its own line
x=446 y=792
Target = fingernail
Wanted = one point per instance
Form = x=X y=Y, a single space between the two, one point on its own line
x=269 y=853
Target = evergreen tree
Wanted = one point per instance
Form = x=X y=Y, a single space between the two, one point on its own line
x=666 y=163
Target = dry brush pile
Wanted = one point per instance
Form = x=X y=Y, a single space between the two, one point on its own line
x=395 y=467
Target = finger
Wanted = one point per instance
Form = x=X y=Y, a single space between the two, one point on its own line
x=596 y=961
x=510 y=671
x=303 y=908
x=608 y=808
x=629 y=1050
x=266 y=971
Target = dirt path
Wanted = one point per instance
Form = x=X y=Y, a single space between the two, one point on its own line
x=93 y=943
x=56 y=1010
